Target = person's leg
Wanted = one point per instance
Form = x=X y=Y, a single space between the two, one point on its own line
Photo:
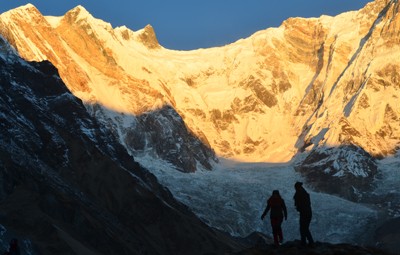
x=307 y=231
x=303 y=230
x=276 y=239
x=280 y=234
x=275 y=230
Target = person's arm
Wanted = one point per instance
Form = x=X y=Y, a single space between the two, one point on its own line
x=265 y=211
x=299 y=201
x=284 y=209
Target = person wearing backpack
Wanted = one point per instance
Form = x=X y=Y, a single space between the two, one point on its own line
x=303 y=206
x=278 y=210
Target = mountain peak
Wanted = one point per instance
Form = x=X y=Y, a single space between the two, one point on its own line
x=80 y=9
x=78 y=13
x=28 y=6
x=25 y=10
x=148 y=37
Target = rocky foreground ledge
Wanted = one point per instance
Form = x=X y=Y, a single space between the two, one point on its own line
x=258 y=243
x=294 y=248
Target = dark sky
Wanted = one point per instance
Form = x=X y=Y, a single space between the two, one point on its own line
x=185 y=24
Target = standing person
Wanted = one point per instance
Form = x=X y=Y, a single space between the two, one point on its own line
x=303 y=206
x=14 y=248
x=278 y=209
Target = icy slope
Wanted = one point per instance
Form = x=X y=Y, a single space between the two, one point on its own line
x=233 y=197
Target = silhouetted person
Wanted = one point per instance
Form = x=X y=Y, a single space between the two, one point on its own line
x=278 y=209
x=303 y=205
x=14 y=248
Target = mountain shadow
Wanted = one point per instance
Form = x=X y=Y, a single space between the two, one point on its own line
x=160 y=133
x=69 y=187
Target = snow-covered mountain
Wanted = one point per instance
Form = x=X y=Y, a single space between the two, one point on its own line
x=67 y=186
x=311 y=82
x=327 y=86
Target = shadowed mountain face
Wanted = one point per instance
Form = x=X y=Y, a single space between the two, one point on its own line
x=347 y=171
x=69 y=187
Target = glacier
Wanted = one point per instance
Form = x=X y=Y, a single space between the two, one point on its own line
x=232 y=197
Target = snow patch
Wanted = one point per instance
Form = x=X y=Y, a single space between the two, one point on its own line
x=54 y=21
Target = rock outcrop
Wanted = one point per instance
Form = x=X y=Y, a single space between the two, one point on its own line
x=347 y=171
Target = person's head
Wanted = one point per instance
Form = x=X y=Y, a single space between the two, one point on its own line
x=13 y=244
x=298 y=185
x=275 y=192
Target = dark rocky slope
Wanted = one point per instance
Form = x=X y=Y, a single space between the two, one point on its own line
x=69 y=187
